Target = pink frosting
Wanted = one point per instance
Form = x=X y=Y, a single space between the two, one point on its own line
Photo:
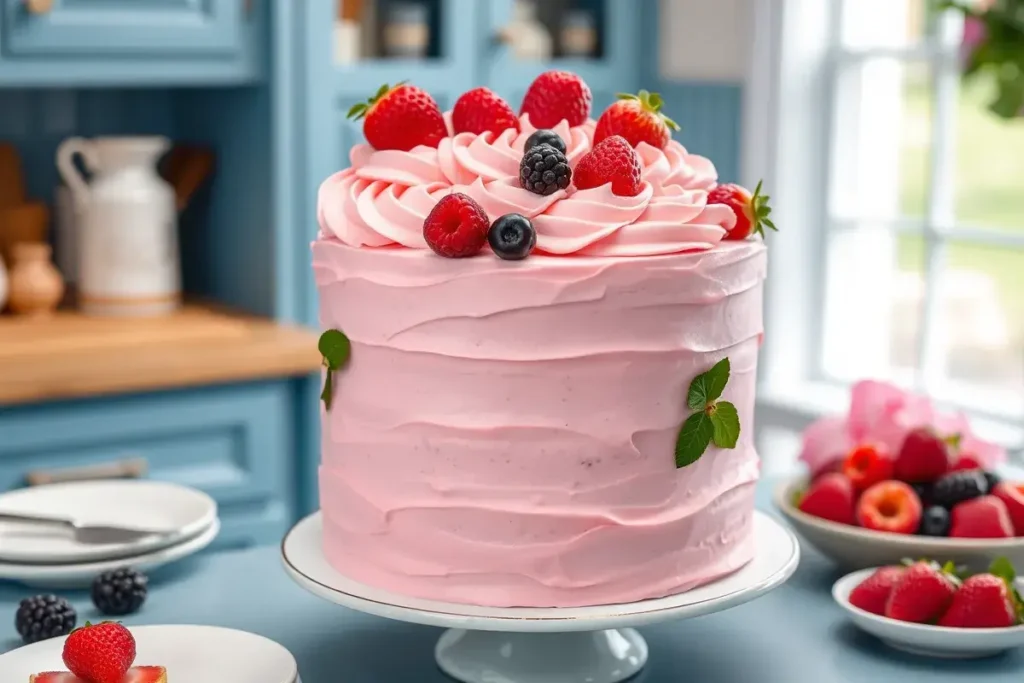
x=374 y=205
x=883 y=413
x=507 y=440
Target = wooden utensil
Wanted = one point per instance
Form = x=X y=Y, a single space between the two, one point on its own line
x=28 y=222
x=186 y=168
x=12 y=182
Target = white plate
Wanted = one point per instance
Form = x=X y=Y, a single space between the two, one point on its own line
x=58 y=576
x=183 y=511
x=924 y=639
x=852 y=547
x=191 y=654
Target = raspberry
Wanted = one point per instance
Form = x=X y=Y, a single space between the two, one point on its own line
x=613 y=160
x=890 y=506
x=456 y=227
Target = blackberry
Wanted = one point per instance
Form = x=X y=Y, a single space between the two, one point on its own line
x=956 y=487
x=544 y=136
x=44 y=616
x=119 y=592
x=992 y=479
x=924 y=492
x=512 y=237
x=544 y=170
x=934 y=521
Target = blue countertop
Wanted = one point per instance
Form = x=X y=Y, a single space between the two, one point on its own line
x=793 y=635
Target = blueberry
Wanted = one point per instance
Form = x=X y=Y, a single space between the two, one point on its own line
x=512 y=237
x=545 y=137
x=934 y=521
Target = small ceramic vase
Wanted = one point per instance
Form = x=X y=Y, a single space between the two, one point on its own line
x=36 y=286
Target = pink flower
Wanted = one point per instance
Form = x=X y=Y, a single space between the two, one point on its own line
x=975 y=33
x=883 y=414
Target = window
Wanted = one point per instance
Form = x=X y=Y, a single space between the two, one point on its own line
x=906 y=196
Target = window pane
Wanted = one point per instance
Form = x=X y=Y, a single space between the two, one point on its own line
x=873 y=302
x=982 y=326
x=990 y=162
x=882 y=125
x=884 y=23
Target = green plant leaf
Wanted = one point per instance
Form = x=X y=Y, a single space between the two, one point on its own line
x=335 y=347
x=327 y=395
x=693 y=439
x=726 y=423
x=1003 y=568
x=708 y=386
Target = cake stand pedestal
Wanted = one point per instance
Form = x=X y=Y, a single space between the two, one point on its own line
x=542 y=645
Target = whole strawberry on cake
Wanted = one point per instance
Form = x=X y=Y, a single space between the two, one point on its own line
x=540 y=347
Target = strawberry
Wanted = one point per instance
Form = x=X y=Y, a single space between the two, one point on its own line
x=137 y=674
x=100 y=653
x=923 y=457
x=867 y=465
x=890 y=506
x=872 y=593
x=557 y=96
x=456 y=227
x=613 y=160
x=984 y=601
x=984 y=517
x=751 y=210
x=830 y=497
x=480 y=110
x=966 y=461
x=1012 y=496
x=400 y=117
x=637 y=118
x=922 y=594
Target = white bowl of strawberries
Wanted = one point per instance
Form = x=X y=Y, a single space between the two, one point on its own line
x=934 y=610
x=875 y=508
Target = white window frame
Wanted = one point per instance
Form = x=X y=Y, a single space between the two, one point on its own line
x=788 y=97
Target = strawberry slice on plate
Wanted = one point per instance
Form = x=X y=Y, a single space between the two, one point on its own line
x=137 y=674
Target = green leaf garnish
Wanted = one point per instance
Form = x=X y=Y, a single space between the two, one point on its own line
x=651 y=102
x=361 y=109
x=713 y=421
x=760 y=210
x=1003 y=568
x=693 y=439
x=726 y=422
x=335 y=349
x=953 y=441
x=708 y=386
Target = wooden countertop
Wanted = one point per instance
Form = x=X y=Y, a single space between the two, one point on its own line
x=69 y=355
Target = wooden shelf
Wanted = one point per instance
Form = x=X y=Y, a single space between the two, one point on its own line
x=70 y=355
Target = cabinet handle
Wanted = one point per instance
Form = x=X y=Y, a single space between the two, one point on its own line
x=39 y=6
x=132 y=468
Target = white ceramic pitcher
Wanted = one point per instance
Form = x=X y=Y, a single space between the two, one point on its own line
x=128 y=259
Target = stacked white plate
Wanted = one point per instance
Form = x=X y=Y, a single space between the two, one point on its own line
x=50 y=557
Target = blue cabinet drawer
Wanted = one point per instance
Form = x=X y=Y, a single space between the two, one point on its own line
x=138 y=28
x=232 y=442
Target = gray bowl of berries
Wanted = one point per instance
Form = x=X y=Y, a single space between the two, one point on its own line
x=875 y=509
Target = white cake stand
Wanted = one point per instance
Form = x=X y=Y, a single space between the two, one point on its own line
x=542 y=645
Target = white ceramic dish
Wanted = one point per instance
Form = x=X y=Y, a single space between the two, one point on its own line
x=855 y=548
x=80 y=575
x=923 y=639
x=182 y=511
x=541 y=645
x=191 y=654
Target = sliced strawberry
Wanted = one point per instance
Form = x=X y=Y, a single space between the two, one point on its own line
x=638 y=118
x=55 y=677
x=400 y=117
x=146 y=674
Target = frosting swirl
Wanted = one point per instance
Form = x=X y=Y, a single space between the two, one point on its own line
x=384 y=197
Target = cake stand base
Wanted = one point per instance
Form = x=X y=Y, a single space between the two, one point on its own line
x=542 y=645
x=607 y=656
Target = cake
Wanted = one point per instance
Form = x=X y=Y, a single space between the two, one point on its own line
x=540 y=352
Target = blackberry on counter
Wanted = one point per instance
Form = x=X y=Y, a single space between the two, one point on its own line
x=934 y=521
x=956 y=487
x=545 y=137
x=544 y=170
x=44 y=616
x=120 y=592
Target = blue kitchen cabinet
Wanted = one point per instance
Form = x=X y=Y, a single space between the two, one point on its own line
x=130 y=28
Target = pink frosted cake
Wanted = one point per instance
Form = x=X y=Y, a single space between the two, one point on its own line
x=539 y=352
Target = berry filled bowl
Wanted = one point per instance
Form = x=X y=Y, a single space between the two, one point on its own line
x=902 y=485
x=938 y=611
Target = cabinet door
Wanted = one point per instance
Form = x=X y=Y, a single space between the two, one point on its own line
x=597 y=39
x=137 y=28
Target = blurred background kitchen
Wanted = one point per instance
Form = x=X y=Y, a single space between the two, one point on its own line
x=177 y=340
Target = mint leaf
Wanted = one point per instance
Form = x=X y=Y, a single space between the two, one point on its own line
x=1003 y=568
x=334 y=346
x=327 y=395
x=693 y=439
x=708 y=386
x=726 y=423
x=953 y=441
